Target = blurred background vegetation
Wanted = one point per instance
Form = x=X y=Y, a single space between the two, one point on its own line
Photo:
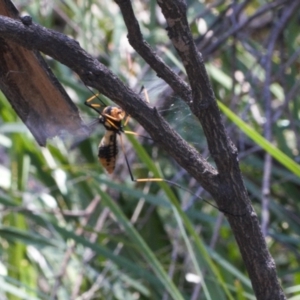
x=70 y=231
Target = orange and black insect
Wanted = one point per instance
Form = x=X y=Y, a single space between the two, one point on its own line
x=111 y=117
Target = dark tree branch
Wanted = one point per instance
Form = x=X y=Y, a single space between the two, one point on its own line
x=137 y=41
x=96 y=75
x=226 y=184
x=204 y=106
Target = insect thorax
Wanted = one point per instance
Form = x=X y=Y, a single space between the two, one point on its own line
x=112 y=118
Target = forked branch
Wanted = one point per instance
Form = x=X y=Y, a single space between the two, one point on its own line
x=226 y=183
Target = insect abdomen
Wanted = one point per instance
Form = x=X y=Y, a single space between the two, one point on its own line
x=108 y=151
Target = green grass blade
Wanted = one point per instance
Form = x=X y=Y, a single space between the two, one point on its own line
x=145 y=250
x=261 y=141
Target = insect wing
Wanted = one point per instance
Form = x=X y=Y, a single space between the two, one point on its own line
x=82 y=137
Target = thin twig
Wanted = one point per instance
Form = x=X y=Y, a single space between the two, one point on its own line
x=70 y=250
x=278 y=28
x=214 y=46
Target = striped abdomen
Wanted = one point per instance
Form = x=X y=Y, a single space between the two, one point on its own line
x=108 y=151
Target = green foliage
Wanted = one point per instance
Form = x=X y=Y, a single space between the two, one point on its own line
x=70 y=231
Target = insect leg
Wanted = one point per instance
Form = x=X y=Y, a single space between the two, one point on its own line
x=94 y=106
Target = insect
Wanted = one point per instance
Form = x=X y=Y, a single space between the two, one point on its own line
x=111 y=117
